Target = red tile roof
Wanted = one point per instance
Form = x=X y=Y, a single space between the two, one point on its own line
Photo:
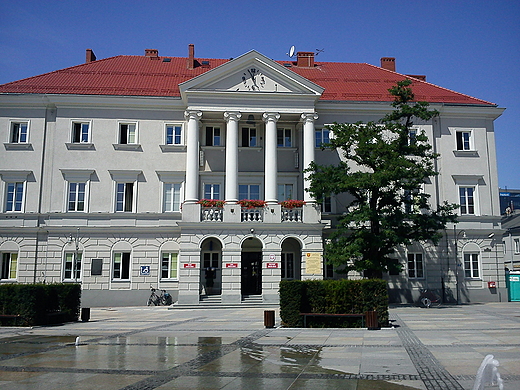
x=152 y=76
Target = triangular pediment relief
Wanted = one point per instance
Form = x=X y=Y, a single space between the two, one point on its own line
x=251 y=73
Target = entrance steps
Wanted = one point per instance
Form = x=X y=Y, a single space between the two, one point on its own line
x=215 y=301
x=252 y=299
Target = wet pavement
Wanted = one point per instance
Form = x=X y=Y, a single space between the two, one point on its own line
x=229 y=348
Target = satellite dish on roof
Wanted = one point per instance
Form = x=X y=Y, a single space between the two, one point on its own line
x=291 y=52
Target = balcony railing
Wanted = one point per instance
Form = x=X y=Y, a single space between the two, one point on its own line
x=292 y=215
x=211 y=214
x=254 y=214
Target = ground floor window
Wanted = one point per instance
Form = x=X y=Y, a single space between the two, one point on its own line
x=415 y=266
x=471 y=265
x=169 y=265
x=121 y=266
x=287 y=265
x=9 y=265
x=70 y=268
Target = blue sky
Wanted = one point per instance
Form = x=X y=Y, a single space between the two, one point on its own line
x=472 y=47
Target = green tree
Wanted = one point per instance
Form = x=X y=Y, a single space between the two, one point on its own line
x=383 y=166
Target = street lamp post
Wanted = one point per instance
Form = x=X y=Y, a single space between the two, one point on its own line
x=457 y=263
x=76 y=254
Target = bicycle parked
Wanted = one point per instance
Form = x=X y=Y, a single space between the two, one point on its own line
x=429 y=299
x=164 y=299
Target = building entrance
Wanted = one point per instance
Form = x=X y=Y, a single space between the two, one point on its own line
x=251 y=273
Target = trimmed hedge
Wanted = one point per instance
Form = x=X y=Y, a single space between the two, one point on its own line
x=40 y=304
x=335 y=297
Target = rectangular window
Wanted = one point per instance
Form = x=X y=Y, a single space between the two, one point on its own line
x=467 y=200
x=284 y=138
x=9 y=265
x=248 y=191
x=19 y=132
x=471 y=265
x=211 y=259
x=517 y=245
x=326 y=204
x=169 y=266
x=124 y=197
x=173 y=135
x=172 y=197
x=415 y=266
x=287 y=266
x=76 y=200
x=121 y=266
x=249 y=137
x=412 y=136
x=212 y=136
x=14 y=196
x=285 y=192
x=80 y=132
x=70 y=267
x=322 y=136
x=211 y=191
x=463 y=140
x=127 y=133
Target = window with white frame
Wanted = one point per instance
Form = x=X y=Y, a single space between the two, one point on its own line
x=171 y=197
x=80 y=132
x=121 y=266
x=72 y=266
x=213 y=137
x=14 y=196
x=412 y=136
x=249 y=137
x=169 y=265
x=415 y=266
x=211 y=191
x=285 y=192
x=76 y=196
x=517 y=245
x=464 y=140
x=127 y=133
x=326 y=204
x=471 y=265
x=248 y=191
x=173 y=134
x=9 y=265
x=125 y=196
x=321 y=136
x=467 y=200
x=19 y=132
x=287 y=265
x=284 y=137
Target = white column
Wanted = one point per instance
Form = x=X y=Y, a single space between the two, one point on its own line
x=308 y=151
x=232 y=119
x=271 y=165
x=192 y=156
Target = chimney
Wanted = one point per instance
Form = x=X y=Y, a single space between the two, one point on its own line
x=90 y=56
x=388 y=63
x=191 y=56
x=152 y=53
x=305 y=59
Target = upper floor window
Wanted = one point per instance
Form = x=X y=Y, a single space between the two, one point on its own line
x=285 y=192
x=517 y=245
x=14 y=197
x=248 y=191
x=125 y=197
x=9 y=265
x=213 y=136
x=172 y=197
x=173 y=135
x=467 y=200
x=169 y=265
x=284 y=137
x=471 y=265
x=19 y=132
x=412 y=136
x=249 y=137
x=72 y=266
x=464 y=141
x=127 y=133
x=76 y=197
x=322 y=136
x=80 y=132
x=415 y=266
x=211 y=191
x=326 y=204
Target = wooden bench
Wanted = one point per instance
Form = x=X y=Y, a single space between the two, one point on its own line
x=8 y=317
x=350 y=315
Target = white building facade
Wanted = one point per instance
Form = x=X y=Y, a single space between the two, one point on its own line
x=101 y=181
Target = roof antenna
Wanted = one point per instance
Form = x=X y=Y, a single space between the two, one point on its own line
x=318 y=51
x=291 y=52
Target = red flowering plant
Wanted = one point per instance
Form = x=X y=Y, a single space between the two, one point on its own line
x=212 y=203
x=252 y=203
x=292 y=203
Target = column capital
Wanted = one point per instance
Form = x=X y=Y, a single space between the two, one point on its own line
x=232 y=116
x=309 y=117
x=270 y=117
x=193 y=114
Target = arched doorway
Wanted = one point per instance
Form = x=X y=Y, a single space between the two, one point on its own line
x=251 y=267
x=291 y=259
x=211 y=267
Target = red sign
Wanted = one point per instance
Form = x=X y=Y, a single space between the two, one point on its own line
x=231 y=265
x=190 y=265
x=272 y=265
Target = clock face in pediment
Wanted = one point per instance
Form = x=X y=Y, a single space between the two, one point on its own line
x=253 y=80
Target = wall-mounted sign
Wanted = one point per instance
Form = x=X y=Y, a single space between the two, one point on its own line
x=313 y=263
x=272 y=265
x=231 y=265
x=144 y=270
x=190 y=265
x=272 y=256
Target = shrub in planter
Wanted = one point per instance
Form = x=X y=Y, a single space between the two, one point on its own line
x=292 y=203
x=212 y=203
x=252 y=203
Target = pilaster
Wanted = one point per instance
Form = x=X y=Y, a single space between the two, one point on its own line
x=271 y=164
x=192 y=156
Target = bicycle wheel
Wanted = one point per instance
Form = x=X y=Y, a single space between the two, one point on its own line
x=150 y=301
x=426 y=302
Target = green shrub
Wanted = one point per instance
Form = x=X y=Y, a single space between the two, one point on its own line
x=40 y=304
x=335 y=297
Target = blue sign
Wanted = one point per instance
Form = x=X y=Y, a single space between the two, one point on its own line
x=145 y=270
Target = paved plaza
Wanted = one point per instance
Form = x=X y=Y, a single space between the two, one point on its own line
x=229 y=348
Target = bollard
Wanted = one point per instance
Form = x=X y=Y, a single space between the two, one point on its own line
x=85 y=314
x=371 y=320
x=269 y=318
